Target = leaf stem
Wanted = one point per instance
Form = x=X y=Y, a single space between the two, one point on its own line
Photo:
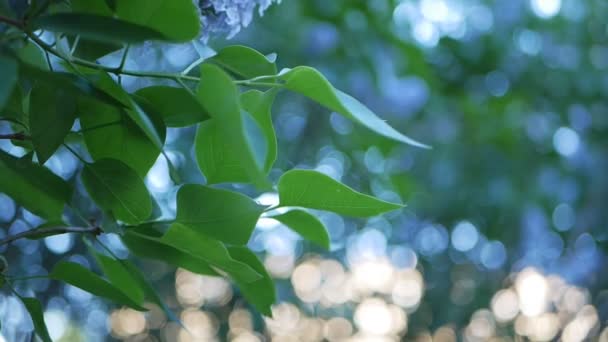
x=51 y=231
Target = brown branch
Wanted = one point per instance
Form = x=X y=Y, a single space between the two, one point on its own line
x=15 y=136
x=12 y=22
x=51 y=231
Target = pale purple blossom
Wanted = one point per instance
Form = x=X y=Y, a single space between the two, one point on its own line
x=228 y=17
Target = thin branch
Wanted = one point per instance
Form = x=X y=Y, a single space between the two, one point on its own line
x=48 y=60
x=15 y=136
x=192 y=66
x=123 y=60
x=51 y=231
x=75 y=45
x=12 y=22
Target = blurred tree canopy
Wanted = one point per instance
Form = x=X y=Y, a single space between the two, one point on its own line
x=503 y=235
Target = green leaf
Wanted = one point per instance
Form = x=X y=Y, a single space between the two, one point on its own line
x=177 y=20
x=150 y=247
x=219 y=158
x=220 y=97
x=178 y=107
x=259 y=105
x=220 y=214
x=261 y=293
x=149 y=291
x=33 y=186
x=97 y=27
x=208 y=249
x=14 y=108
x=34 y=308
x=314 y=190
x=115 y=187
x=311 y=83
x=77 y=275
x=307 y=225
x=93 y=50
x=5 y=9
x=9 y=71
x=91 y=6
x=52 y=114
x=126 y=276
x=244 y=62
x=121 y=277
x=110 y=134
x=33 y=55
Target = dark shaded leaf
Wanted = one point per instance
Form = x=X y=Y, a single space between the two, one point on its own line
x=33 y=186
x=79 y=86
x=9 y=71
x=115 y=187
x=97 y=27
x=52 y=114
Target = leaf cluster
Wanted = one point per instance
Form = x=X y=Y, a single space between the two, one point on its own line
x=49 y=88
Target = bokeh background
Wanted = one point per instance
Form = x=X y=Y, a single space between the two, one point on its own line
x=503 y=237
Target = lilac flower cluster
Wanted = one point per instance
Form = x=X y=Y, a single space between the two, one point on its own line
x=228 y=17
